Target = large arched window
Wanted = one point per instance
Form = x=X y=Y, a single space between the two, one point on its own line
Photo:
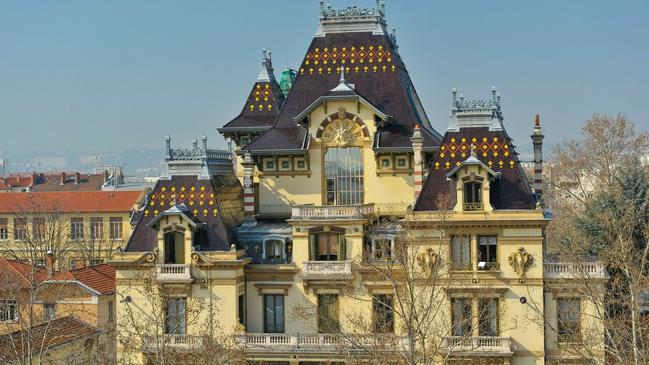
x=344 y=176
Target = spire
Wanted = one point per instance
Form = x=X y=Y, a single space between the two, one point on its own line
x=343 y=85
x=266 y=71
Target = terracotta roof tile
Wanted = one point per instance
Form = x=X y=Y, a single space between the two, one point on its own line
x=55 y=333
x=99 y=277
x=69 y=202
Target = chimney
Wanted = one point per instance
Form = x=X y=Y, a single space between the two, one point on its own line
x=537 y=142
x=106 y=175
x=62 y=180
x=77 y=178
x=248 y=191
x=49 y=263
x=34 y=178
x=417 y=145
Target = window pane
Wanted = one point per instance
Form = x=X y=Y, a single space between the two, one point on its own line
x=383 y=314
x=344 y=174
x=461 y=252
x=461 y=308
x=488 y=319
x=328 y=313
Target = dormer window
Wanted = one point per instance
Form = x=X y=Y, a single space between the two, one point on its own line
x=174 y=250
x=472 y=196
x=274 y=249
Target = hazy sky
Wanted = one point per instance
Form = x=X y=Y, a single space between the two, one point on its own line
x=106 y=75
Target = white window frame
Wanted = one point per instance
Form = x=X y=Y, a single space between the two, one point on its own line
x=274 y=238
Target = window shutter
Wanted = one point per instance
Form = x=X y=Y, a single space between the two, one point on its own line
x=312 y=251
x=342 y=248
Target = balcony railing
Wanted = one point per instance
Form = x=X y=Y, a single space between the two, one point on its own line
x=469 y=207
x=327 y=270
x=174 y=273
x=574 y=270
x=279 y=342
x=307 y=212
x=175 y=342
x=482 y=345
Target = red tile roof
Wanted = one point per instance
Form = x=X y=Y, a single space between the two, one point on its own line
x=23 y=271
x=23 y=181
x=99 y=277
x=45 y=337
x=69 y=202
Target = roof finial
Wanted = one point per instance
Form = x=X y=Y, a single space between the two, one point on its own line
x=472 y=149
x=342 y=75
x=322 y=11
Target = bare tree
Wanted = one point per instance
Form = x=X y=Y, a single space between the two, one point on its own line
x=165 y=329
x=601 y=211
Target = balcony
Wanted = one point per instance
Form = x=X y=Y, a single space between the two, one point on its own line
x=472 y=207
x=320 y=343
x=174 y=273
x=174 y=342
x=327 y=270
x=333 y=212
x=477 y=346
x=574 y=270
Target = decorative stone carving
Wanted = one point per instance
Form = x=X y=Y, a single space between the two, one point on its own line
x=341 y=132
x=428 y=261
x=150 y=257
x=520 y=261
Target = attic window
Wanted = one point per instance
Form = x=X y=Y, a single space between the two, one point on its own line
x=472 y=196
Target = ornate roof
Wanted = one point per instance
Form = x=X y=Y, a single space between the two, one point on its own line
x=216 y=204
x=477 y=126
x=355 y=41
x=263 y=104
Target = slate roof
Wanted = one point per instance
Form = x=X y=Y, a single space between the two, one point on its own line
x=371 y=63
x=495 y=149
x=217 y=203
x=263 y=104
x=56 y=332
x=69 y=201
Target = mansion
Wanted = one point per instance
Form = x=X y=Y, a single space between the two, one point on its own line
x=347 y=228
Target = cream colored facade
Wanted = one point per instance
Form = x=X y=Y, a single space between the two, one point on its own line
x=297 y=283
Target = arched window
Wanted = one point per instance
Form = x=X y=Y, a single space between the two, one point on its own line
x=344 y=176
x=472 y=196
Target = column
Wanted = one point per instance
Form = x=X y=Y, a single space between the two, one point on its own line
x=417 y=144
x=248 y=191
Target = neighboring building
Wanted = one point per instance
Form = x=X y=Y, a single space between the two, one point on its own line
x=111 y=179
x=33 y=297
x=333 y=176
x=66 y=340
x=80 y=227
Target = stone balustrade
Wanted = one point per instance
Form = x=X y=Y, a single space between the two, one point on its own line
x=174 y=273
x=279 y=342
x=323 y=212
x=478 y=345
x=573 y=270
x=327 y=270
